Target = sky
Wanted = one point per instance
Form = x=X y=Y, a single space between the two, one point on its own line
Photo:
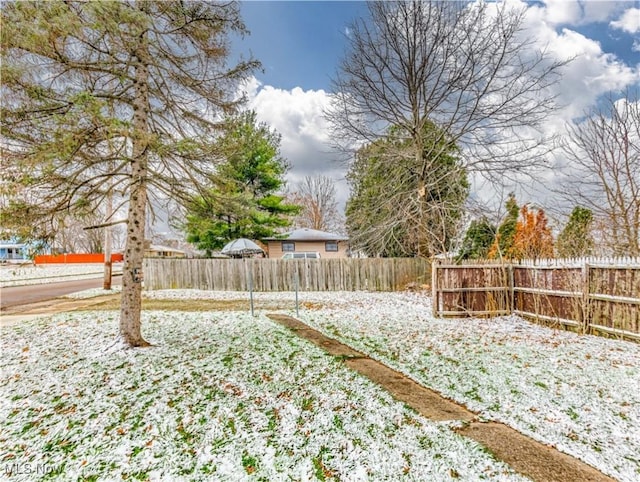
x=300 y=45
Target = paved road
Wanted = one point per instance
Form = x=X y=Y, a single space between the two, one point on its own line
x=22 y=295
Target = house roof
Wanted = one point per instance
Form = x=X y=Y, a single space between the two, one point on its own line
x=4 y=245
x=307 y=234
x=157 y=247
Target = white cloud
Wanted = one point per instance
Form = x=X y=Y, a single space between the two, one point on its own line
x=629 y=21
x=578 y=12
x=562 y=12
x=601 y=11
x=297 y=115
x=590 y=74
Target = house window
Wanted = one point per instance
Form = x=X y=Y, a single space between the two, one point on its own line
x=288 y=246
x=331 y=246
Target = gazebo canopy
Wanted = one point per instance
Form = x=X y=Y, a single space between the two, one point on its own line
x=241 y=247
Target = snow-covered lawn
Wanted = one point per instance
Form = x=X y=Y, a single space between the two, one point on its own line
x=93 y=293
x=50 y=273
x=580 y=394
x=222 y=396
x=239 y=394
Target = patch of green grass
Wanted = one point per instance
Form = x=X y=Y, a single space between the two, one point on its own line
x=342 y=358
x=307 y=404
x=249 y=462
x=425 y=442
x=337 y=422
x=273 y=417
x=473 y=394
x=320 y=469
x=227 y=360
x=219 y=442
x=64 y=445
x=28 y=426
x=231 y=425
x=453 y=361
x=208 y=469
x=136 y=450
x=541 y=384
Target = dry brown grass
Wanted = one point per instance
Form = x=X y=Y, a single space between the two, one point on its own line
x=240 y=304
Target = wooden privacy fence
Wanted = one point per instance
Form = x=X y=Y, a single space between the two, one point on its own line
x=348 y=274
x=588 y=294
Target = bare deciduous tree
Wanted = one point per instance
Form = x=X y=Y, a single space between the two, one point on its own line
x=604 y=174
x=470 y=69
x=317 y=197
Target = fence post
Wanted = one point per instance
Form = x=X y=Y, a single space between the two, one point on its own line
x=434 y=289
x=586 y=298
x=297 y=283
x=250 y=283
x=511 y=300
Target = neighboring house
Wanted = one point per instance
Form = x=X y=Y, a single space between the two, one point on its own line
x=158 y=251
x=10 y=251
x=329 y=245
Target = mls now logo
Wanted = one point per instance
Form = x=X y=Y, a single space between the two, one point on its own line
x=30 y=469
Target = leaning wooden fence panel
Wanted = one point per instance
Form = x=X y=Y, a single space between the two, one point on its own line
x=476 y=290
x=614 y=299
x=374 y=274
x=553 y=294
x=591 y=295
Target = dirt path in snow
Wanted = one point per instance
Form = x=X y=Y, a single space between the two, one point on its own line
x=525 y=455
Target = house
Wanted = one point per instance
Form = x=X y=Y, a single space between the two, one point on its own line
x=329 y=245
x=10 y=251
x=158 y=251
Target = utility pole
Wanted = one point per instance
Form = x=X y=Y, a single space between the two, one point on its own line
x=107 y=245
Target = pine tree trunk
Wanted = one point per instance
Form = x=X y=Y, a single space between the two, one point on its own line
x=131 y=301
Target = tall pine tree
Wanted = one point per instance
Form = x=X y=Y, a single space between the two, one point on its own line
x=576 y=240
x=243 y=201
x=478 y=239
x=503 y=242
x=103 y=97
x=405 y=203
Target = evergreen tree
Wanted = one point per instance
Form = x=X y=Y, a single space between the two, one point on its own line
x=575 y=240
x=102 y=97
x=503 y=241
x=243 y=200
x=478 y=239
x=405 y=203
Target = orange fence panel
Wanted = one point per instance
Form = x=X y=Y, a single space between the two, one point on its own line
x=75 y=258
